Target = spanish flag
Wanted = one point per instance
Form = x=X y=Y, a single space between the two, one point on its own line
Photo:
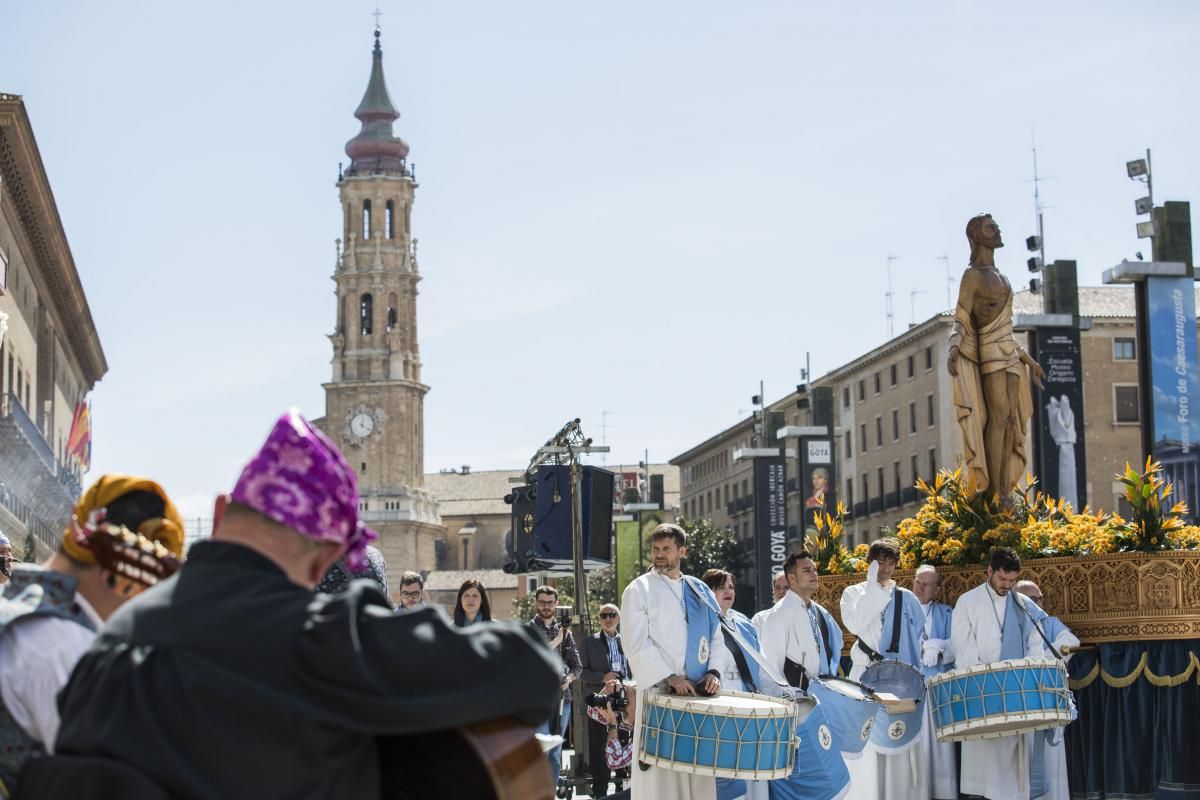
x=79 y=443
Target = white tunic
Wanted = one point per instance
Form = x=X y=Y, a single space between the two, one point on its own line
x=943 y=763
x=997 y=769
x=654 y=634
x=760 y=618
x=876 y=775
x=787 y=633
x=37 y=656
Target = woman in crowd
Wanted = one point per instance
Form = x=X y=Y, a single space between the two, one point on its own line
x=472 y=605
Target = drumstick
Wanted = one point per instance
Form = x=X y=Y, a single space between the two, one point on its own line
x=1079 y=648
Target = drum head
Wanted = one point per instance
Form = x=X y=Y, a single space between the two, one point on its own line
x=895 y=677
x=847 y=687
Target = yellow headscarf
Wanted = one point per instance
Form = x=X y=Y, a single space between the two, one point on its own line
x=166 y=530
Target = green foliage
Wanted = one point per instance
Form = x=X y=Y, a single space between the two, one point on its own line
x=710 y=547
x=1154 y=521
x=601 y=590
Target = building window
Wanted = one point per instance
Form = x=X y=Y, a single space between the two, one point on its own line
x=878 y=384
x=1125 y=404
x=896 y=471
x=866 y=489
x=912 y=417
x=850 y=494
x=862 y=390
x=929 y=357
x=846 y=397
x=912 y=366
x=389 y=221
x=879 y=482
x=466 y=547
x=862 y=438
x=879 y=431
x=366 y=315
x=892 y=370
x=895 y=424
x=366 y=219
x=929 y=410
x=849 y=444
x=932 y=463
x=1124 y=349
x=915 y=469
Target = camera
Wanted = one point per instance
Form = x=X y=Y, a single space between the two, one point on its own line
x=617 y=700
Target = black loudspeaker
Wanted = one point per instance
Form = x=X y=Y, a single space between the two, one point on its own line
x=656 y=490
x=519 y=542
x=552 y=518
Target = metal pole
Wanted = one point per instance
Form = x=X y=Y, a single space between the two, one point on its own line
x=579 y=621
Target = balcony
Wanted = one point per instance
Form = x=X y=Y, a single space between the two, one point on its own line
x=14 y=417
x=36 y=489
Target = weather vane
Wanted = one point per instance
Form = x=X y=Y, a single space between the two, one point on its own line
x=377 y=14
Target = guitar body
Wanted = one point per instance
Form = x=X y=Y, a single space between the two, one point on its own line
x=494 y=760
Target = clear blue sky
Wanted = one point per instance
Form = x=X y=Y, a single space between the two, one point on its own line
x=640 y=208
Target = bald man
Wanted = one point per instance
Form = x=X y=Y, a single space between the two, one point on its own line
x=1051 y=741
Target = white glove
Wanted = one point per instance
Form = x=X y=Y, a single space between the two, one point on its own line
x=873 y=572
x=930 y=656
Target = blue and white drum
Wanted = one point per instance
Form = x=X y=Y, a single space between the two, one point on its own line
x=1000 y=699
x=819 y=773
x=894 y=732
x=850 y=708
x=731 y=735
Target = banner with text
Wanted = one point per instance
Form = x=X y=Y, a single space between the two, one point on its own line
x=1058 y=417
x=770 y=522
x=818 y=480
x=1171 y=307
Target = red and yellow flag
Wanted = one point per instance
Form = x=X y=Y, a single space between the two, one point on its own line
x=79 y=443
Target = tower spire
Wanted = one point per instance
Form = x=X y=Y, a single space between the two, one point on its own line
x=376 y=148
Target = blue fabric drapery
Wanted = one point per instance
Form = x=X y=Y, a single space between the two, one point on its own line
x=1138 y=732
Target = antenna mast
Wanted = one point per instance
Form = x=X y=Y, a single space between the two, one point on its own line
x=890 y=295
x=949 y=282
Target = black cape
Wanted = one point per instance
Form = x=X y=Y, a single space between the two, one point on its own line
x=229 y=680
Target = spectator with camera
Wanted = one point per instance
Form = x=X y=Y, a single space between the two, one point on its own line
x=612 y=710
x=603 y=663
x=558 y=637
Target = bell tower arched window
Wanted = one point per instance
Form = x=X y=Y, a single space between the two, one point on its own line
x=391 y=312
x=366 y=219
x=366 y=314
x=390 y=221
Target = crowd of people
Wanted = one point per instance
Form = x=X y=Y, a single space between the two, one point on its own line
x=265 y=667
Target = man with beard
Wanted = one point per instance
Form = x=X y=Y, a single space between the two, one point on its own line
x=672 y=637
x=989 y=370
x=561 y=641
x=992 y=623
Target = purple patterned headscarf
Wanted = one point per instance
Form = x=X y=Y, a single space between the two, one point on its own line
x=300 y=479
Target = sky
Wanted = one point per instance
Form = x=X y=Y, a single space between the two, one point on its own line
x=628 y=212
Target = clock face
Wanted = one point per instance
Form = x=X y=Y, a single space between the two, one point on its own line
x=362 y=425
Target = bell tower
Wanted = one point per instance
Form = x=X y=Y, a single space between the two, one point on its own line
x=374 y=400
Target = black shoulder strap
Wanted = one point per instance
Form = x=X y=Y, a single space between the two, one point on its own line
x=825 y=636
x=739 y=658
x=898 y=610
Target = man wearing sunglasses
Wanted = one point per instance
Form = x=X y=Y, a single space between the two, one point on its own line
x=603 y=661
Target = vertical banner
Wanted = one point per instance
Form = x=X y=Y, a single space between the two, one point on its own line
x=770 y=522
x=626 y=566
x=818 y=480
x=1175 y=384
x=1058 y=417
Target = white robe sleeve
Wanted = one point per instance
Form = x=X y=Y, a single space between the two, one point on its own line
x=863 y=604
x=962 y=634
x=649 y=663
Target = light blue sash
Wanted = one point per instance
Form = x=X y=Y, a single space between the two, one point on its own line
x=912 y=621
x=750 y=635
x=940 y=629
x=1016 y=628
x=703 y=622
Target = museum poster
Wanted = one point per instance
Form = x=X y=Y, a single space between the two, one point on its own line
x=817 y=478
x=1058 y=417
x=1171 y=306
x=770 y=521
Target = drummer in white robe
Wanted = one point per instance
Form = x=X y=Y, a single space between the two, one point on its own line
x=937 y=656
x=1053 y=744
x=779 y=587
x=667 y=636
x=869 y=612
x=739 y=674
x=799 y=628
x=991 y=623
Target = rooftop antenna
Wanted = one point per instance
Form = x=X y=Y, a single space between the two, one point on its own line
x=912 y=305
x=604 y=436
x=891 y=314
x=949 y=282
x=1037 y=200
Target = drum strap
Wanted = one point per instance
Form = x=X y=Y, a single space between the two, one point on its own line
x=739 y=658
x=898 y=610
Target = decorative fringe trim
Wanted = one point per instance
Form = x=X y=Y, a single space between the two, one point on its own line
x=1142 y=669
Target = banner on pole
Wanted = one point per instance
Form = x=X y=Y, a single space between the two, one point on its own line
x=770 y=521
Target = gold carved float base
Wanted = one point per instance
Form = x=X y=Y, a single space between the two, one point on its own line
x=1119 y=597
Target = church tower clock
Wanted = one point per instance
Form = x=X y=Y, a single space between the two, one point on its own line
x=374 y=401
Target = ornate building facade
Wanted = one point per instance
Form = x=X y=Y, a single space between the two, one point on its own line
x=374 y=400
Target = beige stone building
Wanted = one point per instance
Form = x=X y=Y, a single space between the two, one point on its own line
x=374 y=400
x=50 y=355
x=894 y=422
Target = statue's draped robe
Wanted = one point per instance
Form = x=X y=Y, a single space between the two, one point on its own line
x=990 y=349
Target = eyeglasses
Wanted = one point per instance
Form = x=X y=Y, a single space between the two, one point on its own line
x=411 y=595
x=546 y=603
x=608 y=614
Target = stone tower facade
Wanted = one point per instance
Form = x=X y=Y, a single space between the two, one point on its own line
x=374 y=401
